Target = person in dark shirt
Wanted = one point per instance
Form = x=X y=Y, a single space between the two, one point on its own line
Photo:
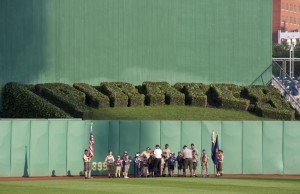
x=180 y=162
x=171 y=164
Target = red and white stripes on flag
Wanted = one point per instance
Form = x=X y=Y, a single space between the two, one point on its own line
x=91 y=146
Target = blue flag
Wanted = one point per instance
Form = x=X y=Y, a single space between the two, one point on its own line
x=214 y=151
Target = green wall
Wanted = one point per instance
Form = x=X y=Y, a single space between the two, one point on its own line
x=55 y=147
x=69 y=41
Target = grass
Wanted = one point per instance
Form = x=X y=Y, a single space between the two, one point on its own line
x=155 y=185
x=173 y=113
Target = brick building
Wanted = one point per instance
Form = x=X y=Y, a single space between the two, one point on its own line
x=286 y=16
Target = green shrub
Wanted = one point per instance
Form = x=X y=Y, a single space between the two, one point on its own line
x=227 y=96
x=69 y=99
x=195 y=93
x=269 y=103
x=115 y=94
x=134 y=97
x=66 y=90
x=94 y=98
x=20 y=102
x=160 y=93
x=153 y=94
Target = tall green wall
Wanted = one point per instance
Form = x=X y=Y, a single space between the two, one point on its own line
x=55 y=147
x=69 y=41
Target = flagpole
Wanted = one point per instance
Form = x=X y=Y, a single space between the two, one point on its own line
x=91 y=126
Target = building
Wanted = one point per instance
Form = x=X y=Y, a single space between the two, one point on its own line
x=286 y=17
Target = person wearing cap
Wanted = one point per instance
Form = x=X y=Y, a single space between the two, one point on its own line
x=220 y=157
x=204 y=163
x=110 y=160
x=87 y=165
x=188 y=160
x=136 y=165
x=118 y=164
x=157 y=162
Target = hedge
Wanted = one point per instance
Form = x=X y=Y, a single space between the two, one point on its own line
x=160 y=93
x=68 y=101
x=134 y=97
x=153 y=95
x=227 y=96
x=20 y=102
x=94 y=98
x=195 y=93
x=115 y=94
x=66 y=90
x=269 y=103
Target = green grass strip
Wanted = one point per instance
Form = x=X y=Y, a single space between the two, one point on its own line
x=153 y=185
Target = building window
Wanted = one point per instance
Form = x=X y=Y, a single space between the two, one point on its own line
x=287 y=6
x=291 y=7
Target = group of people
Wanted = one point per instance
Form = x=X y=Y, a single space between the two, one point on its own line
x=295 y=91
x=158 y=163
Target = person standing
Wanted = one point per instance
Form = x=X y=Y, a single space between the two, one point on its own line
x=195 y=162
x=220 y=163
x=204 y=163
x=188 y=160
x=136 y=165
x=166 y=154
x=123 y=160
x=87 y=164
x=151 y=163
x=157 y=163
x=194 y=149
x=118 y=164
x=127 y=166
x=110 y=164
x=145 y=166
x=180 y=163
x=171 y=164
x=146 y=153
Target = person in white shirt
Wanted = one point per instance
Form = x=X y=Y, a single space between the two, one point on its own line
x=157 y=162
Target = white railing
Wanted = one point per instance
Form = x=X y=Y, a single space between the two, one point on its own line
x=284 y=92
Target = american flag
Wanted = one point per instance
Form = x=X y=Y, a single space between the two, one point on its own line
x=91 y=146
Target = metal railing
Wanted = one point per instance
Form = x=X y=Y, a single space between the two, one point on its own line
x=281 y=81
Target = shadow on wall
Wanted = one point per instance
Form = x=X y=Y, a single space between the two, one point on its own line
x=23 y=38
x=26 y=174
x=53 y=173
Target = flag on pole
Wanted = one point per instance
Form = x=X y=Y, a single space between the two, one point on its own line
x=91 y=146
x=214 y=151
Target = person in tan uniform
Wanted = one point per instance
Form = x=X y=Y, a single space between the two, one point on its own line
x=204 y=163
x=87 y=164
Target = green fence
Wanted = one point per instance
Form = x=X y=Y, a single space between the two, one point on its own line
x=55 y=147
